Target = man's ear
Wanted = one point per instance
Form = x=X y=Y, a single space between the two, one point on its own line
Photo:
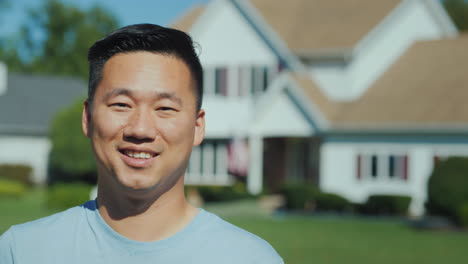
x=86 y=119
x=199 y=128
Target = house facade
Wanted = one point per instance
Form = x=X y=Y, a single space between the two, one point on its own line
x=356 y=97
x=28 y=104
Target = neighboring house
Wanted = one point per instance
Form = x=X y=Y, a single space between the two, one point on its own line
x=357 y=97
x=28 y=104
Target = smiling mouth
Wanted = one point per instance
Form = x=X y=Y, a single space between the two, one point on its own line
x=137 y=154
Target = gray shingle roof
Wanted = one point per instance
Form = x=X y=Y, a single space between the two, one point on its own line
x=31 y=101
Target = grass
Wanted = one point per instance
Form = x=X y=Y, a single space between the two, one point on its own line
x=19 y=210
x=322 y=239
x=307 y=239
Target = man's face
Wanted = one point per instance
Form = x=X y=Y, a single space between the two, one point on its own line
x=143 y=121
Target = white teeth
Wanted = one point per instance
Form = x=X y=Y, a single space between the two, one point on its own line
x=138 y=155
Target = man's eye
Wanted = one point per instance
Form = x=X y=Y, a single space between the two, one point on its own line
x=119 y=105
x=165 y=108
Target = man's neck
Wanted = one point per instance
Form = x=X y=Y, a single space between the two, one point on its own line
x=146 y=219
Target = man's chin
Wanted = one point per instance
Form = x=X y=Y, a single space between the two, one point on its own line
x=139 y=186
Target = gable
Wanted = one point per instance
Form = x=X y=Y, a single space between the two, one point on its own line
x=427 y=86
x=226 y=38
x=281 y=115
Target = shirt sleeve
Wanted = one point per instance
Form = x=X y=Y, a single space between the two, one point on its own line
x=6 y=247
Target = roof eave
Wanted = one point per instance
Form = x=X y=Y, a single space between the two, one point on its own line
x=325 y=55
x=406 y=128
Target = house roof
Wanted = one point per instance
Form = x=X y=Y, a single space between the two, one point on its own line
x=31 y=102
x=427 y=86
x=315 y=25
x=186 y=21
x=329 y=25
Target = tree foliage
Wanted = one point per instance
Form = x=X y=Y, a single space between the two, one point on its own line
x=458 y=11
x=71 y=155
x=55 y=39
x=447 y=188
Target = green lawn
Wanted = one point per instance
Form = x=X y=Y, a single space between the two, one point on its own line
x=19 y=210
x=308 y=239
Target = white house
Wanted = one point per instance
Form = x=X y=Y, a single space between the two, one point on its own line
x=27 y=105
x=357 y=97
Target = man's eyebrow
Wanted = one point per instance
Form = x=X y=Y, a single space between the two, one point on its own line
x=117 y=92
x=129 y=93
x=170 y=96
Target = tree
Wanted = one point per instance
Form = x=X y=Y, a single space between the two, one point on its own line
x=55 y=39
x=447 y=192
x=71 y=157
x=458 y=11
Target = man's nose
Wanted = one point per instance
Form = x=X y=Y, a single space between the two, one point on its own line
x=140 y=127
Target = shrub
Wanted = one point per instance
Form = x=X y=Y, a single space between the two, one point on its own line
x=463 y=215
x=299 y=196
x=386 y=205
x=332 y=202
x=71 y=156
x=222 y=193
x=9 y=188
x=16 y=172
x=447 y=188
x=308 y=197
x=63 y=196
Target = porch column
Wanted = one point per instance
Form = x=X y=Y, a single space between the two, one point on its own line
x=255 y=176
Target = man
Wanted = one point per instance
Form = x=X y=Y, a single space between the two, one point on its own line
x=143 y=116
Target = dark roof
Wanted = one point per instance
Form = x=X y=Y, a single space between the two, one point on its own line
x=31 y=101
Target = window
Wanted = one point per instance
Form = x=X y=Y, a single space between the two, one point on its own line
x=242 y=80
x=221 y=82
x=373 y=166
x=208 y=164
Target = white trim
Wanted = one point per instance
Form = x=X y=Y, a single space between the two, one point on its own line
x=376 y=30
x=433 y=128
x=255 y=176
x=281 y=83
x=435 y=9
x=275 y=40
x=308 y=104
x=441 y=17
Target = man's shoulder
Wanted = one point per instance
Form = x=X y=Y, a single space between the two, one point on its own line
x=224 y=235
x=41 y=240
x=57 y=223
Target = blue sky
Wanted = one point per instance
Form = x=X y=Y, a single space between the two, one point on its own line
x=160 y=12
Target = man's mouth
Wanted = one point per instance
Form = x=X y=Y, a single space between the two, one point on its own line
x=138 y=154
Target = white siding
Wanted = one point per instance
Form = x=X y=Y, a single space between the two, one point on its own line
x=227 y=39
x=338 y=170
x=32 y=151
x=281 y=117
x=227 y=117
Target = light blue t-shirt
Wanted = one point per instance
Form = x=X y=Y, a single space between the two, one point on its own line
x=79 y=235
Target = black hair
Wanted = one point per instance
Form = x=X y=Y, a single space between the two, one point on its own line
x=144 y=37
